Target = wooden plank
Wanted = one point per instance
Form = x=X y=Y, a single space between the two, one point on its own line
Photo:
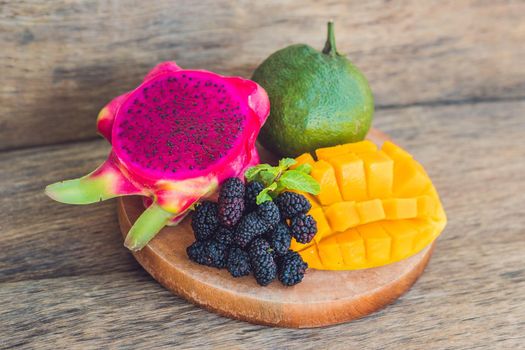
x=68 y=282
x=451 y=306
x=44 y=239
x=61 y=61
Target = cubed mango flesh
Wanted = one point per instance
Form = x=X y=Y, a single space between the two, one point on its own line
x=342 y=215
x=370 y=211
x=403 y=235
x=352 y=248
x=379 y=170
x=330 y=253
x=351 y=178
x=311 y=255
x=426 y=206
x=409 y=181
x=394 y=151
x=375 y=207
x=294 y=245
x=377 y=243
x=327 y=153
x=324 y=173
x=305 y=158
x=426 y=230
x=323 y=228
x=400 y=208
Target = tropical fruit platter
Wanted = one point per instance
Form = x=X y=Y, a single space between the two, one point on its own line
x=271 y=199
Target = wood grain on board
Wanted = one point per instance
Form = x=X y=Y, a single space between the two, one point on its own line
x=67 y=281
x=61 y=61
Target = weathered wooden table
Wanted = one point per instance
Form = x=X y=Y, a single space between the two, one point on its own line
x=449 y=82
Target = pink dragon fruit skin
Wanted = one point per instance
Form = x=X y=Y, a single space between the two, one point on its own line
x=175 y=139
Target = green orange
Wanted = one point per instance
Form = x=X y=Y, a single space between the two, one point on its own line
x=317 y=99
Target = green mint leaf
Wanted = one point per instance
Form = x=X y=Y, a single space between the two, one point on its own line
x=267 y=176
x=280 y=188
x=285 y=163
x=264 y=195
x=251 y=173
x=297 y=180
x=304 y=168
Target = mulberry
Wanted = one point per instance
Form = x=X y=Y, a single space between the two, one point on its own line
x=250 y=227
x=303 y=228
x=205 y=221
x=262 y=262
x=292 y=204
x=269 y=213
x=238 y=263
x=280 y=238
x=224 y=235
x=231 y=202
x=291 y=268
x=209 y=253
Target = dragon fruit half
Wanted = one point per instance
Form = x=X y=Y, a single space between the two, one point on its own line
x=174 y=139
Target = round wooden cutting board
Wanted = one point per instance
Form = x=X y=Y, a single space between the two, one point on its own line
x=323 y=298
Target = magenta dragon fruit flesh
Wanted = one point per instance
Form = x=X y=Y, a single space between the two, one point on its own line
x=174 y=139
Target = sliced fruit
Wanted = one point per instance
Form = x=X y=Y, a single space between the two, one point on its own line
x=161 y=151
x=323 y=227
x=426 y=206
x=342 y=216
x=350 y=175
x=352 y=248
x=370 y=211
x=311 y=254
x=403 y=235
x=324 y=173
x=377 y=243
x=400 y=208
x=381 y=208
x=379 y=169
x=327 y=153
x=305 y=158
x=394 y=151
x=330 y=253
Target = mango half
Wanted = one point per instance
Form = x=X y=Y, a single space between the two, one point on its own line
x=376 y=207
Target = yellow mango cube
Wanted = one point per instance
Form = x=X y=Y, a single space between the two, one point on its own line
x=311 y=255
x=296 y=246
x=394 y=151
x=409 y=179
x=342 y=216
x=377 y=243
x=305 y=158
x=351 y=177
x=352 y=248
x=379 y=169
x=327 y=153
x=330 y=253
x=361 y=146
x=400 y=208
x=370 y=211
x=324 y=173
x=426 y=206
x=426 y=233
x=323 y=228
x=403 y=235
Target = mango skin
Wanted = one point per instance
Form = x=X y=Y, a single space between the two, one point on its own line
x=316 y=100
